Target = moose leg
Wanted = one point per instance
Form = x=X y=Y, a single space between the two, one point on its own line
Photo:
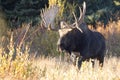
x=101 y=60
x=73 y=58
x=80 y=62
x=84 y=56
x=93 y=63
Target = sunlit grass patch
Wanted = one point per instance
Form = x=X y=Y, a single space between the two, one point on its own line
x=54 y=69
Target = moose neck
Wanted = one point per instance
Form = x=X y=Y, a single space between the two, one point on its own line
x=84 y=27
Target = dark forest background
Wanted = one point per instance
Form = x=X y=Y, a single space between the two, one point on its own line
x=25 y=11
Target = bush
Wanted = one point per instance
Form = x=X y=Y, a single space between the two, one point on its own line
x=20 y=68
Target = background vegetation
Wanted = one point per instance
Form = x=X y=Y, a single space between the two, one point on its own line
x=23 y=40
x=25 y=11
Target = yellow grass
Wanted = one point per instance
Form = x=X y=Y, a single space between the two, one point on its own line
x=21 y=68
x=54 y=69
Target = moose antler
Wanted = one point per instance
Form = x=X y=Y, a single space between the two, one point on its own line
x=82 y=15
x=77 y=22
x=48 y=16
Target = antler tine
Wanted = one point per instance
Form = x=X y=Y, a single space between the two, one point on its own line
x=81 y=18
x=76 y=22
x=42 y=15
x=48 y=16
x=84 y=9
x=80 y=12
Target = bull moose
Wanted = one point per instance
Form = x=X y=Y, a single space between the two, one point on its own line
x=77 y=37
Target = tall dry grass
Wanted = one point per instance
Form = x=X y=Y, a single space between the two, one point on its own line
x=20 y=68
x=54 y=69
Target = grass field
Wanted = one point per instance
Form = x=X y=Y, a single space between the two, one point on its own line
x=56 y=68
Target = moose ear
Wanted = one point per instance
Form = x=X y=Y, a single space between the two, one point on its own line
x=64 y=31
x=63 y=24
